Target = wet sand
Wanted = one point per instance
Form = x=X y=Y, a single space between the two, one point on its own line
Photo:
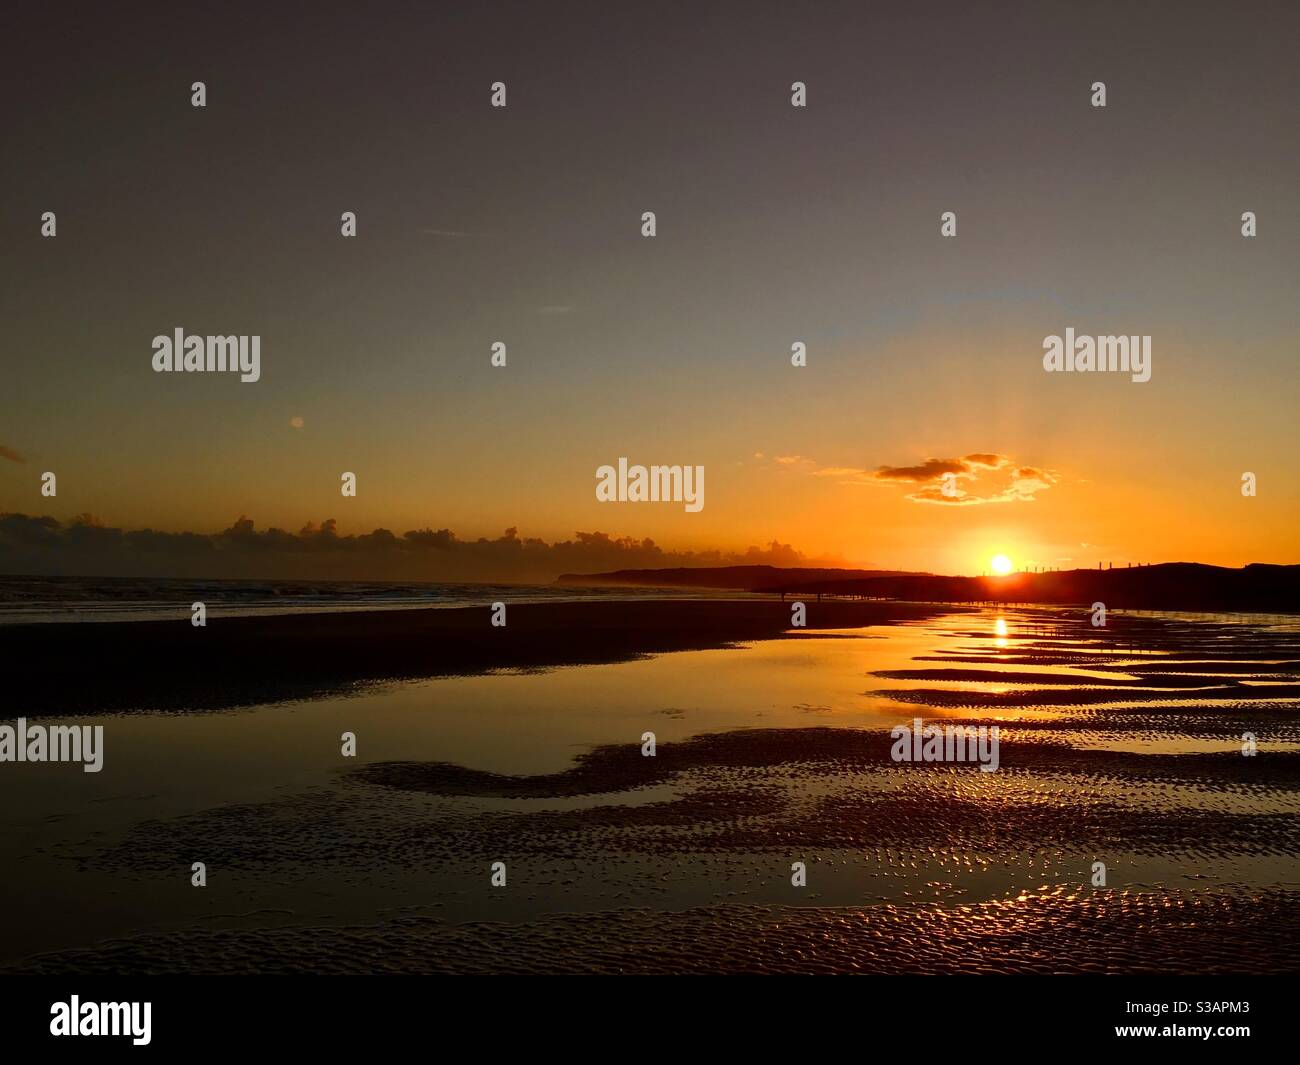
x=682 y=862
x=1047 y=933
x=87 y=668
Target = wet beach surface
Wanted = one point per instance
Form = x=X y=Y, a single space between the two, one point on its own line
x=69 y=668
x=1121 y=745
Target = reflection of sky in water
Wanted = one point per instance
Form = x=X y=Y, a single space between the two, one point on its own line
x=167 y=765
x=535 y=722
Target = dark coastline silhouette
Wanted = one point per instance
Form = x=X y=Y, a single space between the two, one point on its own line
x=735 y=578
x=1165 y=586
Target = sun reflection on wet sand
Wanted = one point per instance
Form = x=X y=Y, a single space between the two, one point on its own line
x=767 y=752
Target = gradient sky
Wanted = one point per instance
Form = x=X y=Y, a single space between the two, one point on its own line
x=776 y=224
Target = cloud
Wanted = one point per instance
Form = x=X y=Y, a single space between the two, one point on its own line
x=929 y=470
x=10 y=454
x=958 y=475
x=989 y=462
x=321 y=551
x=1025 y=483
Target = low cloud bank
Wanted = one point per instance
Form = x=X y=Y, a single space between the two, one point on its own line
x=83 y=546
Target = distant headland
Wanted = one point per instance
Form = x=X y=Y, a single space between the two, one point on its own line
x=1165 y=586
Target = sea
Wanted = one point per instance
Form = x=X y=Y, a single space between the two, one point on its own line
x=26 y=599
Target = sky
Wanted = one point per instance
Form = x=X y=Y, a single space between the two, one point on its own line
x=775 y=224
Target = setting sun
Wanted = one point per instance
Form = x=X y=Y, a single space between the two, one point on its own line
x=1000 y=565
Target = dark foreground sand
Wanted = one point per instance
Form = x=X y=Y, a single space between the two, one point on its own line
x=1041 y=933
x=73 y=668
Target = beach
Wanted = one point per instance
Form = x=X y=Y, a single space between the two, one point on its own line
x=76 y=668
x=524 y=748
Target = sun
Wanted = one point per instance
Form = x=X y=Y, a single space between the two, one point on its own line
x=1001 y=565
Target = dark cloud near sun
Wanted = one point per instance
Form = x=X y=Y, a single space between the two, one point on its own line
x=1022 y=486
x=931 y=477
x=934 y=469
x=929 y=470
